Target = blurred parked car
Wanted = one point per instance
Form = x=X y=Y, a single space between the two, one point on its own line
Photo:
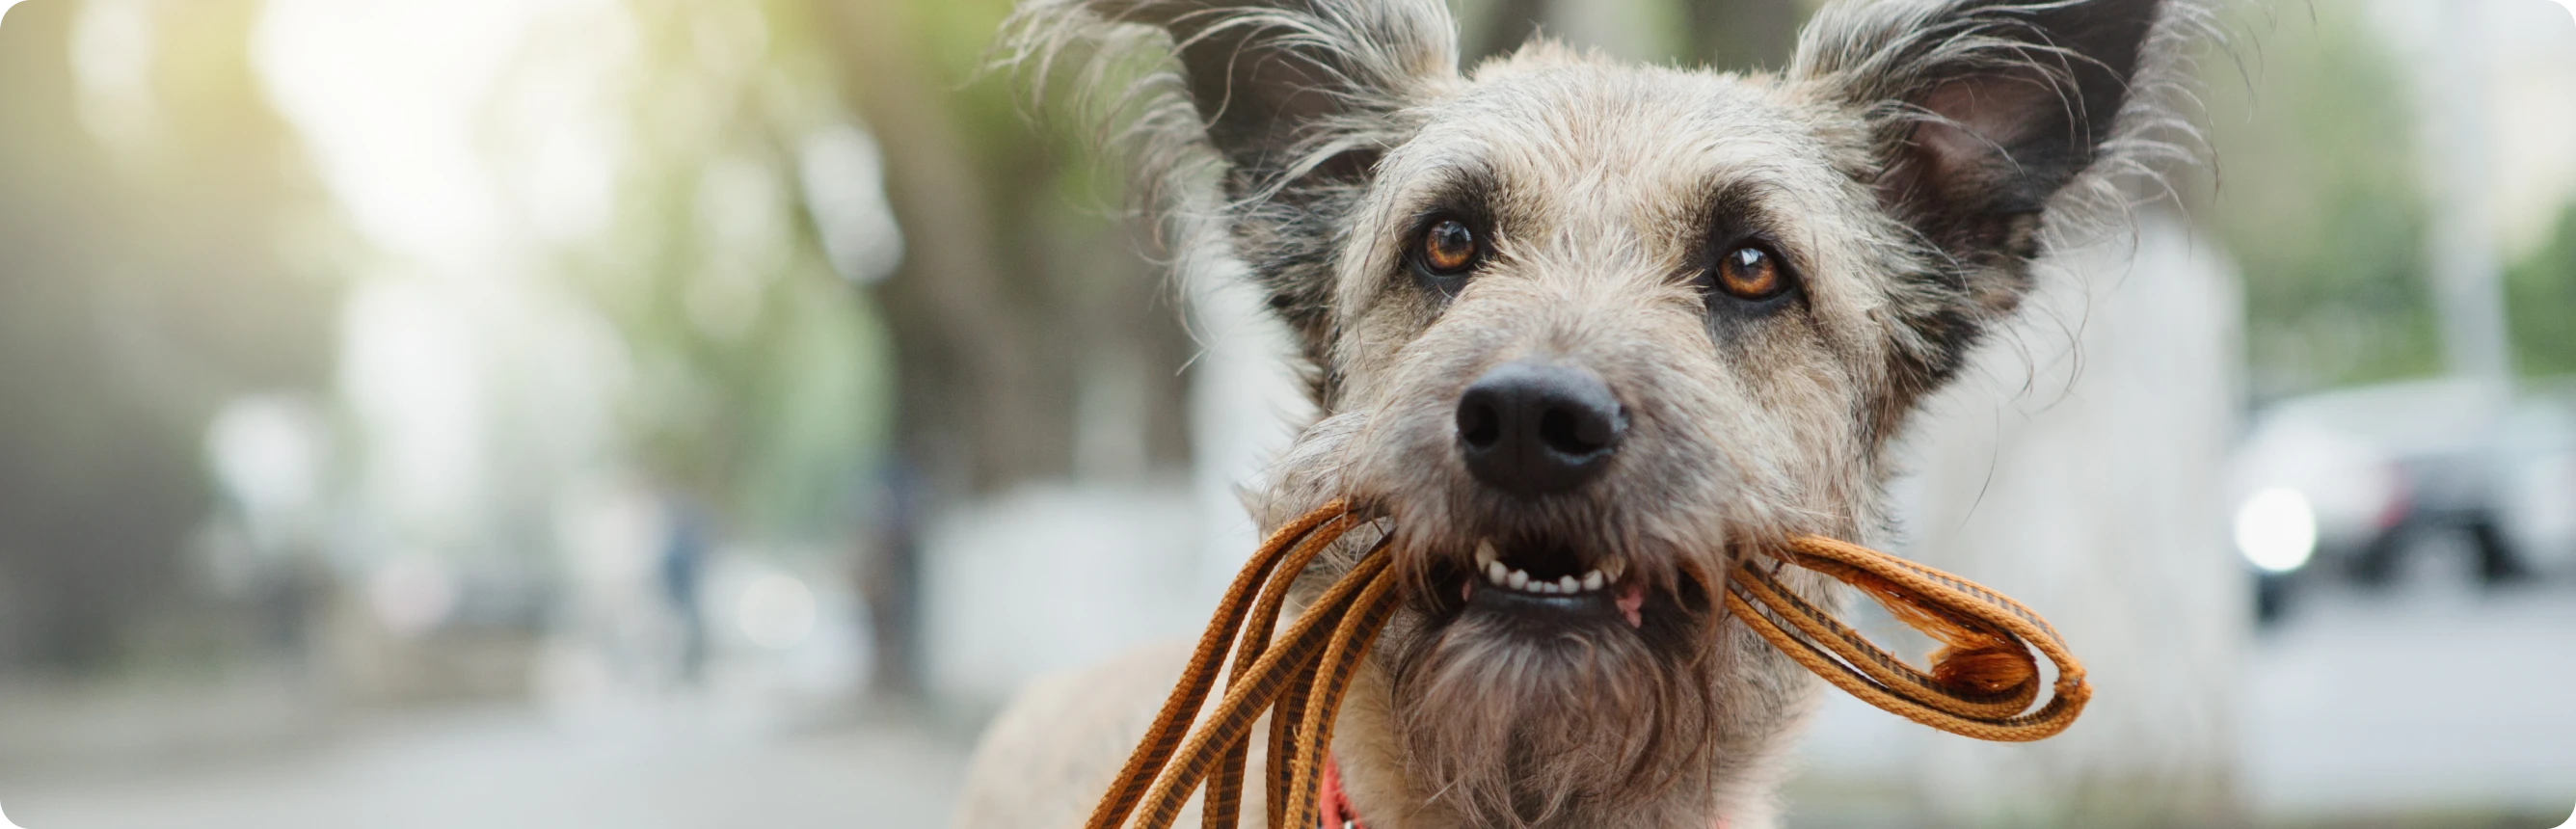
x=2343 y=483
x=2536 y=478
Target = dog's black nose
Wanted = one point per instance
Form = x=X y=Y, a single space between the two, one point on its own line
x=1531 y=428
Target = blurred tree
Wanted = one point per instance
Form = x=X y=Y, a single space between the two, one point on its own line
x=758 y=387
x=1745 y=35
x=1508 y=24
x=141 y=284
x=2319 y=201
x=2540 y=297
x=1032 y=342
x=1018 y=287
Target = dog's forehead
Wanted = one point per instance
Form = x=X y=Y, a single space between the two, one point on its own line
x=1606 y=141
x=1599 y=162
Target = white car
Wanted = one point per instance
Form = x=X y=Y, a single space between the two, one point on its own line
x=2340 y=480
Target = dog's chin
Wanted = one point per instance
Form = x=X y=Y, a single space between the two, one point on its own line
x=1582 y=705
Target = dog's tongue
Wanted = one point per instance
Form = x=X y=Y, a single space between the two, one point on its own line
x=1632 y=599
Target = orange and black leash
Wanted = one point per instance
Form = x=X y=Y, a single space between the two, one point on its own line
x=1981 y=684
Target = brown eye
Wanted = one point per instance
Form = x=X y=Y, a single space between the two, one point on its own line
x=1448 y=247
x=1750 y=272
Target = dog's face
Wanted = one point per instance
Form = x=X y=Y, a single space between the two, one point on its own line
x=1596 y=325
x=1584 y=333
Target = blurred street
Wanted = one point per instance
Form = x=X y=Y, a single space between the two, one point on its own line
x=2428 y=700
x=2432 y=698
x=514 y=768
x=2431 y=701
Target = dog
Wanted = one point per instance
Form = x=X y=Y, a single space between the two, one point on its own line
x=1582 y=335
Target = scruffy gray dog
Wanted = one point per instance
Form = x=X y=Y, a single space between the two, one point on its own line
x=1583 y=332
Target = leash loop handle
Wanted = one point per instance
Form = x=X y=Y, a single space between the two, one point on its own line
x=1983 y=679
x=1981 y=684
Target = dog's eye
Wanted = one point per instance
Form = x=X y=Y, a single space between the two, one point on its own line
x=1449 y=248
x=1751 y=272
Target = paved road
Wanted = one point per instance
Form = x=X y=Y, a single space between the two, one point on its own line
x=503 y=769
x=2430 y=700
x=2432 y=704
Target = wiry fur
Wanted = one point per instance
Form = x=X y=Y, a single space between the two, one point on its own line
x=1359 y=67
x=1908 y=166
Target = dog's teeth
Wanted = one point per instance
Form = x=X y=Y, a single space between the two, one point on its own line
x=1593 y=581
x=1613 y=569
x=1567 y=585
x=1543 y=587
x=1495 y=572
x=1485 y=553
x=1518 y=579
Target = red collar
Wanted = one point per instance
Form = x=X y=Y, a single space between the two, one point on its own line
x=1335 y=805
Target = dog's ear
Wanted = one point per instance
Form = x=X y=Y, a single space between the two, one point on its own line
x=1289 y=88
x=1984 y=113
x=1297 y=98
x=1985 y=110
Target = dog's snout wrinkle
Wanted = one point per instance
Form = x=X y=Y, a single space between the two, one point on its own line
x=1531 y=428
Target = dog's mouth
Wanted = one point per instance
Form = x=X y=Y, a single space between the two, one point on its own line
x=1544 y=581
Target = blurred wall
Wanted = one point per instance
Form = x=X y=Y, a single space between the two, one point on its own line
x=2075 y=467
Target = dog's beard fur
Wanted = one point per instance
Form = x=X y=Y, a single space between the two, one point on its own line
x=1516 y=725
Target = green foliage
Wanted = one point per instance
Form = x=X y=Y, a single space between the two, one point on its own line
x=2540 y=304
x=761 y=379
x=2319 y=203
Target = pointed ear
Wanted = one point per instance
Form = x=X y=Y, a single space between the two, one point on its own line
x=1985 y=110
x=1298 y=98
x=1287 y=86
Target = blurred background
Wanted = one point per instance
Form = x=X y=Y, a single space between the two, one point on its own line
x=659 y=413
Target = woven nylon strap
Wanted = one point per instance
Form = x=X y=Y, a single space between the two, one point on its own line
x=1981 y=684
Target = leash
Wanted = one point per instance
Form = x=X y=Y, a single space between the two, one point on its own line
x=1982 y=681
x=1983 y=677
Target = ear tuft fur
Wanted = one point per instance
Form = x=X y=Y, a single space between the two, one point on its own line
x=1987 y=108
x=2003 y=127
x=1288 y=102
